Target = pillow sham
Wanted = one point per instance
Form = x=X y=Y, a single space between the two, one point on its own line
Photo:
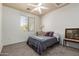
x=49 y=34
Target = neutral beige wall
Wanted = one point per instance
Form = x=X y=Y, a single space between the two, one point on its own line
x=11 y=29
x=65 y=17
x=0 y=26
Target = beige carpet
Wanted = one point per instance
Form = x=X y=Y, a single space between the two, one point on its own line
x=22 y=49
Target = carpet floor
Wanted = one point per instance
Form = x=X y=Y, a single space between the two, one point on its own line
x=22 y=49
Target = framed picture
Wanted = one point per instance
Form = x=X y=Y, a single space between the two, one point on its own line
x=72 y=33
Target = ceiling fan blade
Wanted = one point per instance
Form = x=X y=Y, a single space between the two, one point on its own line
x=34 y=9
x=39 y=4
x=32 y=5
x=39 y=10
x=43 y=7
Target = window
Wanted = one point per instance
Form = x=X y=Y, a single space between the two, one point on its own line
x=31 y=24
x=24 y=23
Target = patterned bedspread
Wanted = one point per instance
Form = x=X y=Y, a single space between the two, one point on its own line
x=41 y=42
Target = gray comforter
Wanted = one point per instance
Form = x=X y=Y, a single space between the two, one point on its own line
x=41 y=42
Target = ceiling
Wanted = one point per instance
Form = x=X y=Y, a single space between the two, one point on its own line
x=28 y=8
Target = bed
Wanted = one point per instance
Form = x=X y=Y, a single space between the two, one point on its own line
x=41 y=43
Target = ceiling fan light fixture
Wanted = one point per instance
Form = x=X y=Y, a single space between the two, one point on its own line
x=38 y=7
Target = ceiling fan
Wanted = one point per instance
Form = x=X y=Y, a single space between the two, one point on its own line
x=38 y=7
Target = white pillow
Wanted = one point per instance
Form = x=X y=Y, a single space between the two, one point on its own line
x=57 y=36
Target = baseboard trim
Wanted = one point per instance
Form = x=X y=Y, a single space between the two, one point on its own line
x=1 y=48
x=13 y=43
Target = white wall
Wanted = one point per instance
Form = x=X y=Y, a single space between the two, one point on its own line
x=0 y=27
x=12 y=32
x=62 y=18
